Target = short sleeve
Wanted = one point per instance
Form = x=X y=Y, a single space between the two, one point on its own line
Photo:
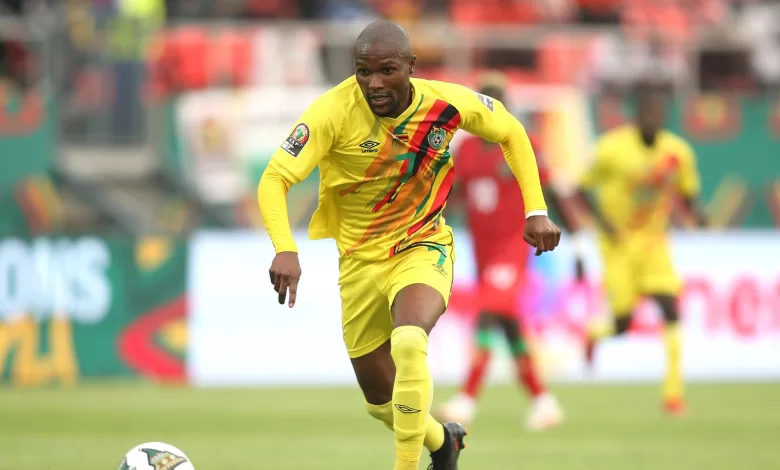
x=480 y=115
x=309 y=141
x=690 y=184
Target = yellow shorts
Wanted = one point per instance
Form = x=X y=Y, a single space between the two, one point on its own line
x=635 y=267
x=368 y=289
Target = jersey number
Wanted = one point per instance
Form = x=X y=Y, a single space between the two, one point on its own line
x=483 y=194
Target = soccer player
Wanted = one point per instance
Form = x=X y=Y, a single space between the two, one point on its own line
x=639 y=173
x=492 y=198
x=380 y=140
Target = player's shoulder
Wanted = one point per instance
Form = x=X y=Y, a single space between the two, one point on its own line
x=676 y=142
x=337 y=103
x=341 y=97
x=457 y=95
x=614 y=138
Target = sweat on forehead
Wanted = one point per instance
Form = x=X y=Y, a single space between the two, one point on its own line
x=384 y=37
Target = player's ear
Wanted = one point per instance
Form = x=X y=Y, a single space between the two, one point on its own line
x=411 y=64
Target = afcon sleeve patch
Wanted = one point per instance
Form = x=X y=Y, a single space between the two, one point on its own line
x=486 y=100
x=297 y=140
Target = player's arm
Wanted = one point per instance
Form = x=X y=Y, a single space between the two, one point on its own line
x=592 y=179
x=690 y=186
x=308 y=143
x=488 y=118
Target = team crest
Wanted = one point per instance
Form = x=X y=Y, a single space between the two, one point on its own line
x=298 y=138
x=436 y=137
x=162 y=460
x=711 y=117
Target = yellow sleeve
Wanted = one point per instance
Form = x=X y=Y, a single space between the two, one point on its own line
x=487 y=118
x=689 y=183
x=272 y=198
x=594 y=174
x=309 y=142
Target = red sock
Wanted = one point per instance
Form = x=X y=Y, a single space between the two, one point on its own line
x=476 y=376
x=526 y=372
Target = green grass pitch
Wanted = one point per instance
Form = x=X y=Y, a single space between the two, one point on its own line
x=609 y=427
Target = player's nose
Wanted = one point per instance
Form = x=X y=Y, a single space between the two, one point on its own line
x=376 y=83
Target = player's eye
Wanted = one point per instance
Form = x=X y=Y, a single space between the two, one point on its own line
x=364 y=72
x=388 y=70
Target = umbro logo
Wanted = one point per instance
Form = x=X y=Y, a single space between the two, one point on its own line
x=406 y=409
x=369 y=146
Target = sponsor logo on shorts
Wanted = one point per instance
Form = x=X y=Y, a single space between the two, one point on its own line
x=297 y=140
x=406 y=409
x=440 y=269
x=486 y=100
x=369 y=146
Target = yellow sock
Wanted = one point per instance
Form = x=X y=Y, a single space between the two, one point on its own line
x=673 y=383
x=412 y=394
x=434 y=431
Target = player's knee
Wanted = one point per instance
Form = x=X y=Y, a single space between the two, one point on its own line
x=669 y=309
x=407 y=345
x=622 y=324
x=671 y=316
x=383 y=413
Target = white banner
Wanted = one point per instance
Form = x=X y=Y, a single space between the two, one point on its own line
x=241 y=335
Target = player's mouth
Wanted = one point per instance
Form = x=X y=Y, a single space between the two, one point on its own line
x=379 y=100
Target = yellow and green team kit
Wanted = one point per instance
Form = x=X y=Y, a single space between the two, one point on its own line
x=384 y=181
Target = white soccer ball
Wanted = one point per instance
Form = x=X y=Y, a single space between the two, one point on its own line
x=155 y=456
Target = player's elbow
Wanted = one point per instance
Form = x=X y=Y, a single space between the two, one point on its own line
x=272 y=184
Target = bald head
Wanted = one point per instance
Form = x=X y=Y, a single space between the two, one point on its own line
x=386 y=35
x=383 y=66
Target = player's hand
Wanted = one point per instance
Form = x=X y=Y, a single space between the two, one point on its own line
x=541 y=233
x=285 y=273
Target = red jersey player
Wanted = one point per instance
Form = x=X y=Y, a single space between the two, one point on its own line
x=494 y=207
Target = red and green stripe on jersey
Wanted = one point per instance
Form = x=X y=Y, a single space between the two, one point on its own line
x=414 y=194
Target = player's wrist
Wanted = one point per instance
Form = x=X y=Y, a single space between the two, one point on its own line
x=535 y=213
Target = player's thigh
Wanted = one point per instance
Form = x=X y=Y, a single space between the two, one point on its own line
x=656 y=274
x=420 y=284
x=365 y=312
x=619 y=279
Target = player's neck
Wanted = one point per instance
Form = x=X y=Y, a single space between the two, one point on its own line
x=648 y=138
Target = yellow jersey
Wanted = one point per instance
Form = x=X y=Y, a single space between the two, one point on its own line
x=384 y=182
x=635 y=185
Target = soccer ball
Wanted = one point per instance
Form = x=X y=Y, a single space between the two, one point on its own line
x=155 y=456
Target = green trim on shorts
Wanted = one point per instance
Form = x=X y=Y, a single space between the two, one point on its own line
x=486 y=339
x=518 y=347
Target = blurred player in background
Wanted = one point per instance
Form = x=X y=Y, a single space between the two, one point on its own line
x=639 y=173
x=493 y=206
x=381 y=140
